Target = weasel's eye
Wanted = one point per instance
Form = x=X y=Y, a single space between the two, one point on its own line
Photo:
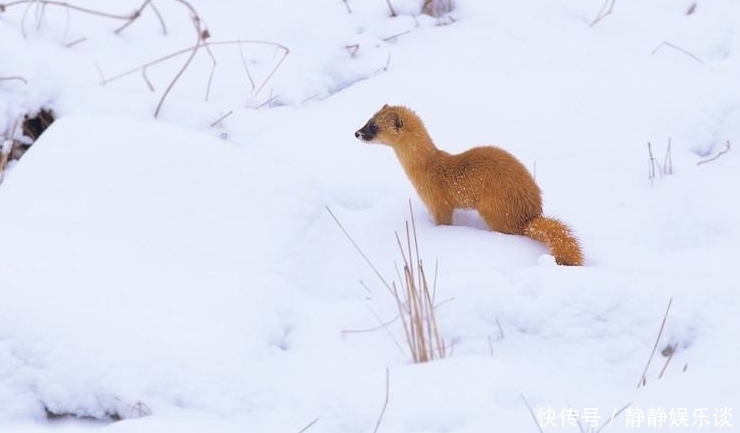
x=372 y=128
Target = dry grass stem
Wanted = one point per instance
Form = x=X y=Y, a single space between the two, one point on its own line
x=611 y=419
x=390 y=6
x=385 y=402
x=309 y=425
x=412 y=294
x=721 y=152
x=676 y=47
x=606 y=10
x=671 y=352
x=643 y=378
x=531 y=412
x=14 y=78
x=220 y=119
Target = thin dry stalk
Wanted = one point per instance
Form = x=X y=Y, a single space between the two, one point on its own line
x=606 y=10
x=668 y=160
x=385 y=402
x=349 y=9
x=416 y=302
x=652 y=164
x=671 y=352
x=643 y=378
x=722 y=152
x=676 y=47
x=220 y=119
x=14 y=78
x=531 y=412
x=611 y=419
x=308 y=426
x=390 y=6
x=413 y=296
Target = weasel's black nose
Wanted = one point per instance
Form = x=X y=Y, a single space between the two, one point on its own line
x=357 y=134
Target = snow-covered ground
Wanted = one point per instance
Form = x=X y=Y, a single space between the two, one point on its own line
x=183 y=273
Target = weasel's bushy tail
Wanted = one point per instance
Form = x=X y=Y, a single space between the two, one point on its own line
x=558 y=237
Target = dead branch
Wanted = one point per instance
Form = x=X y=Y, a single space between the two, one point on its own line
x=134 y=16
x=346 y=3
x=676 y=47
x=206 y=45
x=202 y=35
x=606 y=10
x=44 y=3
x=721 y=152
x=643 y=378
x=670 y=351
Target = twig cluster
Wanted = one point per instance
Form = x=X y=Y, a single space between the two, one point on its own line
x=201 y=36
x=415 y=301
x=414 y=297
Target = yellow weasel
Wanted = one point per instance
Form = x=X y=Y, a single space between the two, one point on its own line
x=487 y=179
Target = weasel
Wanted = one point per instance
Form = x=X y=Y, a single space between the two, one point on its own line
x=487 y=179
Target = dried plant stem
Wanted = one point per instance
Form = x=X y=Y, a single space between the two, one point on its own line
x=531 y=412
x=44 y=3
x=309 y=425
x=722 y=152
x=390 y=6
x=220 y=119
x=14 y=78
x=614 y=415
x=668 y=360
x=643 y=378
x=385 y=402
x=207 y=46
x=606 y=10
x=676 y=47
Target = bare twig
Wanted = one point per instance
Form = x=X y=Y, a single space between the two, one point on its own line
x=346 y=3
x=220 y=119
x=606 y=10
x=396 y=36
x=643 y=378
x=202 y=35
x=133 y=17
x=531 y=412
x=213 y=71
x=676 y=47
x=385 y=402
x=722 y=152
x=390 y=6
x=359 y=250
x=14 y=78
x=67 y=5
x=308 y=426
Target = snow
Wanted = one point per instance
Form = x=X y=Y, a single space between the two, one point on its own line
x=185 y=273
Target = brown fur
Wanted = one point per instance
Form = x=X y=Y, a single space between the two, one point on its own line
x=487 y=178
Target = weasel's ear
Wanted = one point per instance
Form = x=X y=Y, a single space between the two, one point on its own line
x=397 y=121
x=385 y=106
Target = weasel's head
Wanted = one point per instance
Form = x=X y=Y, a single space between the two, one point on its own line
x=387 y=126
